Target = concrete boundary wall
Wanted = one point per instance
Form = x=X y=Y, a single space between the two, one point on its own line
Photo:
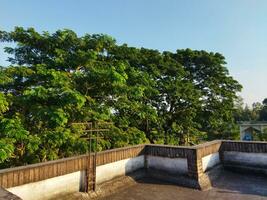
x=209 y=161
x=51 y=187
x=169 y=165
x=62 y=174
x=16 y=176
x=112 y=170
x=258 y=160
x=242 y=156
x=193 y=162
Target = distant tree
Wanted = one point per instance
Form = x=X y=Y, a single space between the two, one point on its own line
x=246 y=113
x=263 y=111
x=256 y=108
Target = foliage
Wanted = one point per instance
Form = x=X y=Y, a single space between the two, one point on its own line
x=263 y=111
x=258 y=111
x=182 y=97
x=16 y=143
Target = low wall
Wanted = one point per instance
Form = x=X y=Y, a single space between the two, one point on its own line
x=189 y=166
x=112 y=170
x=209 y=154
x=63 y=176
x=170 y=159
x=17 y=176
x=210 y=161
x=258 y=160
x=51 y=187
x=170 y=165
x=245 y=156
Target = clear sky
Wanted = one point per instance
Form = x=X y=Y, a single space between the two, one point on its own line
x=235 y=28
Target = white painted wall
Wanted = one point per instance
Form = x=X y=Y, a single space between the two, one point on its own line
x=210 y=161
x=49 y=188
x=120 y=168
x=255 y=159
x=171 y=165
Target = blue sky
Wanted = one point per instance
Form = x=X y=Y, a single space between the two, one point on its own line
x=235 y=28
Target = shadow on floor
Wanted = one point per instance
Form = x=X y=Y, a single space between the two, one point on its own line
x=227 y=186
x=232 y=182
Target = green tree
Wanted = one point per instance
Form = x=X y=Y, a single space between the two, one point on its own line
x=56 y=79
x=263 y=111
x=208 y=73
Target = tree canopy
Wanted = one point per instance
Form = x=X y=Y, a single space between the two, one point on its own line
x=53 y=80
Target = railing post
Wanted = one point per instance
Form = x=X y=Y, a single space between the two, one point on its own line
x=91 y=174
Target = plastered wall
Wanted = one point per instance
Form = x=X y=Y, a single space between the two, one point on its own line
x=49 y=188
x=120 y=168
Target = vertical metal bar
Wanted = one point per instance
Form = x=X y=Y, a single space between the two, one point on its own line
x=89 y=170
x=90 y=183
x=95 y=158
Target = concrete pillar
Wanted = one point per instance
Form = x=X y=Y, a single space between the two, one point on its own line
x=195 y=169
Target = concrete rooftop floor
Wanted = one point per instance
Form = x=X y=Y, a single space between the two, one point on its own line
x=229 y=185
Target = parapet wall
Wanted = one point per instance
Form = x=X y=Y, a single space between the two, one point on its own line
x=186 y=165
x=245 y=156
x=49 y=179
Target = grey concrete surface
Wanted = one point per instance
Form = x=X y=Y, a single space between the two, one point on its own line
x=6 y=195
x=229 y=186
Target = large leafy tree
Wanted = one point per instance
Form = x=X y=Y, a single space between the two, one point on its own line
x=194 y=96
x=55 y=80
x=60 y=78
x=217 y=89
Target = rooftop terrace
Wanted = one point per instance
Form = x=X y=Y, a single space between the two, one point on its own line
x=214 y=170
x=228 y=186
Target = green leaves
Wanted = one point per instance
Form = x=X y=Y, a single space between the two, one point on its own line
x=60 y=78
x=6 y=149
x=12 y=128
x=15 y=141
x=3 y=104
